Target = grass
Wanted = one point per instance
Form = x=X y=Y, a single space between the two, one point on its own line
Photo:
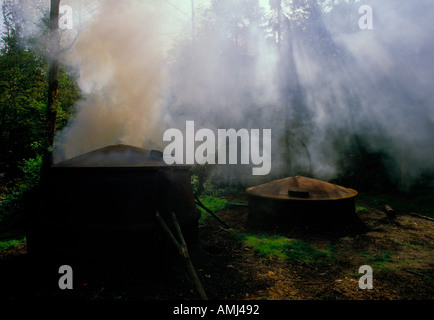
x=213 y=203
x=269 y=247
x=279 y=247
x=360 y=208
x=379 y=260
x=12 y=238
x=6 y=244
x=212 y=194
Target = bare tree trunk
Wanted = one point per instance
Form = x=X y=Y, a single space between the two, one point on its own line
x=53 y=83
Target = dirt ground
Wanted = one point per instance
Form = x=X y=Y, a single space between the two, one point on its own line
x=230 y=270
x=240 y=274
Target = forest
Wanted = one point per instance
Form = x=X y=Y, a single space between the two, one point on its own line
x=343 y=87
x=24 y=92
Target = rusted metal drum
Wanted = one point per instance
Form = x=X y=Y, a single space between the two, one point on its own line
x=102 y=204
x=298 y=200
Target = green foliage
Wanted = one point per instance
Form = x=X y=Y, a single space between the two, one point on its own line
x=32 y=170
x=69 y=93
x=6 y=244
x=213 y=189
x=23 y=103
x=289 y=249
x=274 y=246
x=213 y=203
x=11 y=199
x=360 y=208
x=195 y=184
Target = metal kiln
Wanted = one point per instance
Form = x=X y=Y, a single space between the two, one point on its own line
x=301 y=201
x=102 y=205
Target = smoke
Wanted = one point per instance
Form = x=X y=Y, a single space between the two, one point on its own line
x=324 y=85
x=387 y=77
x=120 y=72
x=329 y=83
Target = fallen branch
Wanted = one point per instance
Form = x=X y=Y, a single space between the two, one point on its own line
x=416 y=273
x=391 y=213
x=239 y=204
x=198 y=202
x=183 y=251
x=420 y=216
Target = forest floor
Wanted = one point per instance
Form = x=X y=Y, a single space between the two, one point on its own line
x=399 y=250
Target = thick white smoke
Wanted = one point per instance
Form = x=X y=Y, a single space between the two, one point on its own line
x=121 y=74
x=326 y=82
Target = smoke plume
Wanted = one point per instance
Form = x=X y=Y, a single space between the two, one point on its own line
x=318 y=81
x=120 y=72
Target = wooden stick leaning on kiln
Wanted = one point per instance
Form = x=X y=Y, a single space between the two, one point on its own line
x=183 y=251
x=200 y=204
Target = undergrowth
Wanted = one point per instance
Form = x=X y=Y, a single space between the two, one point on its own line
x=279 y=247
x=6 y=244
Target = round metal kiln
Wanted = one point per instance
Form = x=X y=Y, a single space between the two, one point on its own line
x=301 y=201
x=102 y=205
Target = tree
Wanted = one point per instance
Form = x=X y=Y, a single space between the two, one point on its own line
x=53 y=82
x=23 y=111
x=22 y=102
x=24 y=93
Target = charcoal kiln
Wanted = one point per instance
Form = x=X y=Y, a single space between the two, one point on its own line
x=102 y=205
x=301 y=201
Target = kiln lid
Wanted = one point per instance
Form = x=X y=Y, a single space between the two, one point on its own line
x=301 y=189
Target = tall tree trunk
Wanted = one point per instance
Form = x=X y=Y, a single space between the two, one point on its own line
x=53 y=83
